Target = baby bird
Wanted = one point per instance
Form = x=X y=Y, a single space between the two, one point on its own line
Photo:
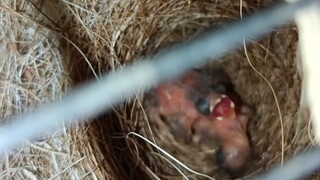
x=229 y=128
x=235 y=149
x=174 y=102
x=201 y=106
x=227 y=119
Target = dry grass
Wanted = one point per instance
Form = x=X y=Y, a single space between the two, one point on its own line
x=49 y=46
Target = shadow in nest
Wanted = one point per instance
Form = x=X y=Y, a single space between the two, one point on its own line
x=118 y=155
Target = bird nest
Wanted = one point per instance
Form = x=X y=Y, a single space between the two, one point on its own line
x=57 y=45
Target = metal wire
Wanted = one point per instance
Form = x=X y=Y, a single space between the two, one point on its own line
x=97 y=97
x=295 y=168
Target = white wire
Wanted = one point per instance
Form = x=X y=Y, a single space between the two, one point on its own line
x=171 y=157
x=295 y=168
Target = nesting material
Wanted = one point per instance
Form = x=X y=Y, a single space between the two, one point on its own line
x=72 y=41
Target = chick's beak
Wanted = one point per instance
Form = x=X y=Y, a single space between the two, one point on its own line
x=222 y=107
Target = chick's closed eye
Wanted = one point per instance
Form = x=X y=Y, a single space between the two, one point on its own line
x=203 y=106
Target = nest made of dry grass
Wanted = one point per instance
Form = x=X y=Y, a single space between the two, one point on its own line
x=50 y=46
